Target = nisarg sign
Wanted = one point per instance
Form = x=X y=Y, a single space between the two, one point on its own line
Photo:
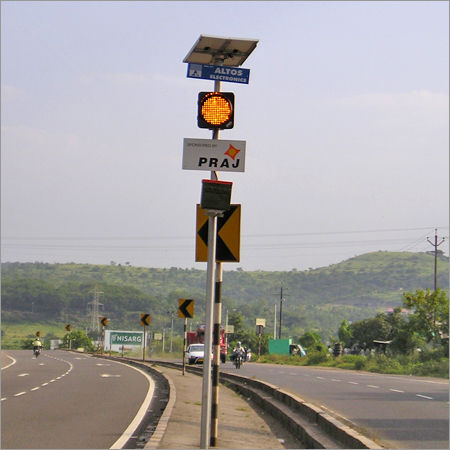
x=219 y=73
x=114 y=340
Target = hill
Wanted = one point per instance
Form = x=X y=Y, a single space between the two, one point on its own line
x=315 y=300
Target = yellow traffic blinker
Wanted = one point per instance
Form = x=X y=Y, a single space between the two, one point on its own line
x=215 y=110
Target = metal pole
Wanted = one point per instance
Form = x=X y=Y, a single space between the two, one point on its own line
x=143 y=350
x=164 y=341
x=281 y=312
x=217 y=318
x=216 y=356
x=275 y=321
x=184 y=344
x=206 y=385
x=171 y=333
x=436 y=244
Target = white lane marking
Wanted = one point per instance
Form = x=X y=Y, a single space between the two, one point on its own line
x=320 y=378
x=140 y=414
x=397 y=390
x=424 y=396
x=353 y=382
x=100 y=364
x=13 y=361
x=43 y=384
x=108 y=375
x=372 y=386
x=334 y=379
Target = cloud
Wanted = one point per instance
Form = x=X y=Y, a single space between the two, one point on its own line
x=420 y=99
x=132 y=79
x=12 y=93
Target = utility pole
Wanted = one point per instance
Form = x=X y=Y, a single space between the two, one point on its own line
x=275 y=321
x=171 y=330
x=435 y=244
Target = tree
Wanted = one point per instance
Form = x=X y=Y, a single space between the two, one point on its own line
x=345 y=333
x=366 y=331
x=79 y=339
x=430 y=316
x=310 y=340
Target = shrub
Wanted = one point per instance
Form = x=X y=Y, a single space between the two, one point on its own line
x=360 y=363
x=316 y=357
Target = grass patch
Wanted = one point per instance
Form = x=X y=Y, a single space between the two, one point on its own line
x=427 y=365
x=13 y=335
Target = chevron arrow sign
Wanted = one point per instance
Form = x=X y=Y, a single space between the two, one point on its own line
x=228 y=242
x=186 y=308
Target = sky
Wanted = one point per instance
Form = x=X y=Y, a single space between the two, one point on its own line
x=345 y=118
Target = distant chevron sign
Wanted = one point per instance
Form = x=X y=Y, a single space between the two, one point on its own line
x=186 y=308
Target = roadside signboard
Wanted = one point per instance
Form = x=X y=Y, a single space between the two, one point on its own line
x=228 y=240
x=214 y=155
x=219 y=73
x=260 y=322
x=145 y=319
x=114 y=340
x=186 y=308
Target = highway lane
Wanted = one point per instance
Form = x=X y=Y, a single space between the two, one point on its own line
x=402 y=411
x=69 y=400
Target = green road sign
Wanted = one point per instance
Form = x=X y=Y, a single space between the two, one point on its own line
x=127 y=338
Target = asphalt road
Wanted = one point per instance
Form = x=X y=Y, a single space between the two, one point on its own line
x=66 y=400
x=401 y=411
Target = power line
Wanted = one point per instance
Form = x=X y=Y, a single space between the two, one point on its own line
x=142 y=238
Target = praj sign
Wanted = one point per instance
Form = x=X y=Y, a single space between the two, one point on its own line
x=214 y=155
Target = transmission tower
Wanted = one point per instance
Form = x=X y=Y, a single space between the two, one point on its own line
x=95 y=324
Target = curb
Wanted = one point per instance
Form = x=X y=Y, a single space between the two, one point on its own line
x=161 y=428
x=315 y=416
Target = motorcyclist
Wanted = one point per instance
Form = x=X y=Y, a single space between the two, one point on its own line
x=37 y=345
x=239 y=349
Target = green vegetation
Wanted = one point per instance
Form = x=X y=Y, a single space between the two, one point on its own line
x=345 y=301
x=416 y=344
x=419 y=364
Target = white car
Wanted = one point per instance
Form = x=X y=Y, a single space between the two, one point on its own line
x=195 y=354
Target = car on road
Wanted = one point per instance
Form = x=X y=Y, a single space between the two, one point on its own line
x=195 y=354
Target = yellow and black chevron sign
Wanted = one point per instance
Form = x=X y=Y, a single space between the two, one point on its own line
x=145 y=319
x=228 y=244
x=186 y=308
x=68 y=327
x=103 y=321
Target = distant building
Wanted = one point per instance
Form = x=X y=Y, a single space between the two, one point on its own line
x=404 y=312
